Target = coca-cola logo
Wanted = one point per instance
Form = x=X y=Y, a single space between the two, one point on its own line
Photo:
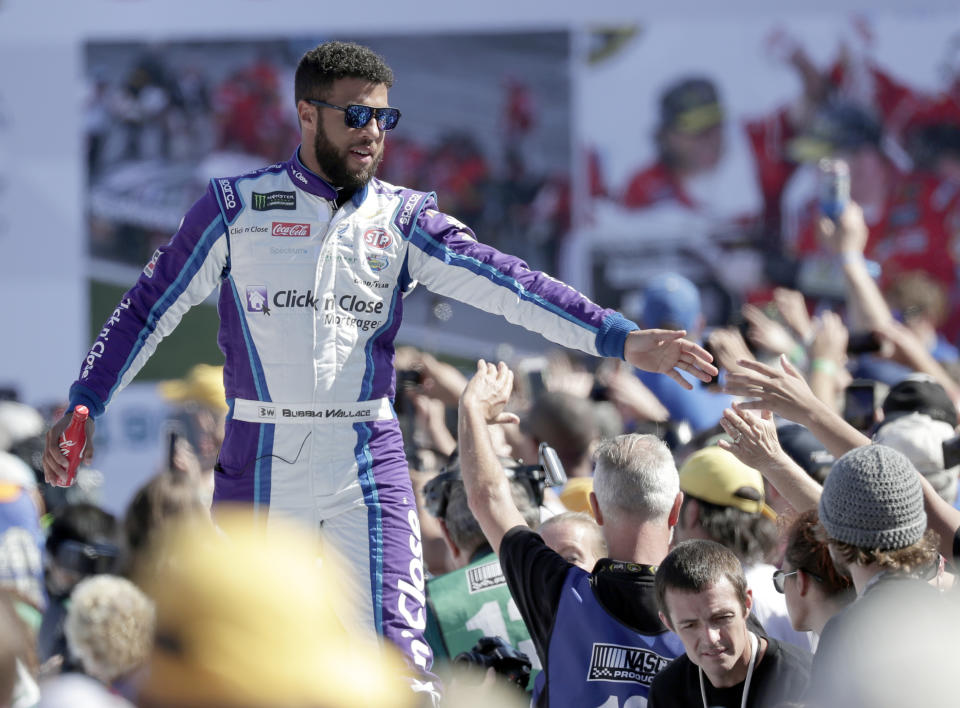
x=285 y=228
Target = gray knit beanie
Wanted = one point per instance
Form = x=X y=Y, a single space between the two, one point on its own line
x=872 y=499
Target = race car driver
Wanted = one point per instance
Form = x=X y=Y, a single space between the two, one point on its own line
x=312 y=257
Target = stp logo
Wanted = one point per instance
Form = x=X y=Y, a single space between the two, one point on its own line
x=378 y=238
x=284 y=228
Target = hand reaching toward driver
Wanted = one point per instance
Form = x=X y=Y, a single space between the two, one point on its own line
x=767 y=333
x=792 y=307
x=727 y=343
x=488 y=392
x=754 y=437
x=783 y=391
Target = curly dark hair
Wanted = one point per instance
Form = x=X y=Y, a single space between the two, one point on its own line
x=912 y=560
x=330 y=61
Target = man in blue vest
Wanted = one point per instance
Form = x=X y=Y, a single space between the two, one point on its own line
x=598 y=634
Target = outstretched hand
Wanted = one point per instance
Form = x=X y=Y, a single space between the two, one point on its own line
x=488 y=392
x=666 y=351
x=783 y=391
x=753 y=437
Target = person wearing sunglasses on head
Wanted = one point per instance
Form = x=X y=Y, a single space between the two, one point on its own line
x=312 y=257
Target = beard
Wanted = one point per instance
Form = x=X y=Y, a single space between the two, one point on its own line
x=333 y=162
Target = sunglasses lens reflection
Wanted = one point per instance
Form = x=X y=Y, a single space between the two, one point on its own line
x=358 y=116
x=387 y=118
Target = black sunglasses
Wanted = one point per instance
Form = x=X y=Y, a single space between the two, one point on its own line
x=357 y=116
x=780 y=575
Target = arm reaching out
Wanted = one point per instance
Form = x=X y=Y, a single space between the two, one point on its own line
x=786 y=393
x=755 y=443
x=665 y=351
x=488 y=490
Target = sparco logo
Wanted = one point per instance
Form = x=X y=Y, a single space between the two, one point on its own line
x=99 y=346
x=411 y=600
x=273 y=200
x=325 y=413
x=284 y=228
x=229 y=200
x=484 y=577
x=612 y=662
x=407 y=213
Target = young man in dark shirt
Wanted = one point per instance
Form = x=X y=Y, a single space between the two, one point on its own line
x=598 y=634
x=703 y=597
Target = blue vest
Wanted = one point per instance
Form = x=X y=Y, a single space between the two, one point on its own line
x=593 y=657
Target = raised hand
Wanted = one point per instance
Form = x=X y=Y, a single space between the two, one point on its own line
x=488 y=392
x=754 y=437
x=767 y=333
x=783 y=391
x=792 y=306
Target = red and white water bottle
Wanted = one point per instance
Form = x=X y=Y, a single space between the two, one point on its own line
x=73 y=441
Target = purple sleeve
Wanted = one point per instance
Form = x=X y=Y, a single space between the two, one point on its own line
x=445 y=256
x=179 y=275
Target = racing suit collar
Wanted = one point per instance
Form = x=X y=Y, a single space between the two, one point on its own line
x=307 y=180
x=310 y=181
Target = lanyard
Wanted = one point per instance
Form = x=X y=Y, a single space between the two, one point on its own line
x=755 y=651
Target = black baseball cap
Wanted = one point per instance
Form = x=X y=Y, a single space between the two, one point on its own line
x=919 y=393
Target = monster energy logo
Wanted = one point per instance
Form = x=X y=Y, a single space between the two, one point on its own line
x=274 y=200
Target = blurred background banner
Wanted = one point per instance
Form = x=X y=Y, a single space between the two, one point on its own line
x=489 y=132
x=691 y=138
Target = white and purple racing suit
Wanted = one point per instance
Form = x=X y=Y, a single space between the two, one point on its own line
x=310 y=303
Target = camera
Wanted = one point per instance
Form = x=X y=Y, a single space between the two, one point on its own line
x=534 y=478
x=493 y=652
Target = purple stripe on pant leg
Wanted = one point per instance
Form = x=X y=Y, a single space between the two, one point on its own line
x=404 y=610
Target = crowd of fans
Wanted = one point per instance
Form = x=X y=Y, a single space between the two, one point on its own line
x=787 y=532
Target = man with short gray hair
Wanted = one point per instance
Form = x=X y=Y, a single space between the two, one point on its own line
x=635 y=476
x=598 y=633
